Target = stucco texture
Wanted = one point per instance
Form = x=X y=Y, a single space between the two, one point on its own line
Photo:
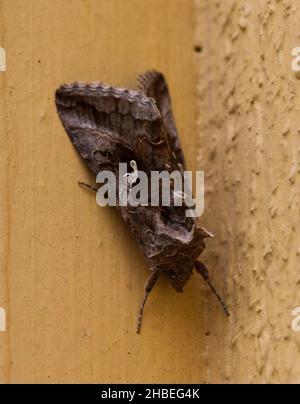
x=249 y=147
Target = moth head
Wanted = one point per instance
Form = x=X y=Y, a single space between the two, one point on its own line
x=178 y=279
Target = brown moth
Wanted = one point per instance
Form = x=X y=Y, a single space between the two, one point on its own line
x=109 y=126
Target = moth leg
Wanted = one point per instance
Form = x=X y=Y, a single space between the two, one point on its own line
x=151 y=281
x=87 y=186
x=202 y=270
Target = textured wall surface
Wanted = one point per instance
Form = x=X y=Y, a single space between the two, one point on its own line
x=71 y=277
x=249 y=140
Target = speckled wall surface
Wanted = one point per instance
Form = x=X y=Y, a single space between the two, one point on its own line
x=249 y=146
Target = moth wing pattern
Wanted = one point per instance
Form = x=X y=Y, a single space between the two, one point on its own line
x=110 y=125
x=154 y=85
x=107 y=125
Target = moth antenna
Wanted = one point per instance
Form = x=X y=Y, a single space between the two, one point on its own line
x=151 y=281
x=202 y=270
x=87 y=186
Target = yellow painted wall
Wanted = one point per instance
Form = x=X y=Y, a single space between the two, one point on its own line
x=71 y=277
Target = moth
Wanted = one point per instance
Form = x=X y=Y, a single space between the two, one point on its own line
x=108 y=126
